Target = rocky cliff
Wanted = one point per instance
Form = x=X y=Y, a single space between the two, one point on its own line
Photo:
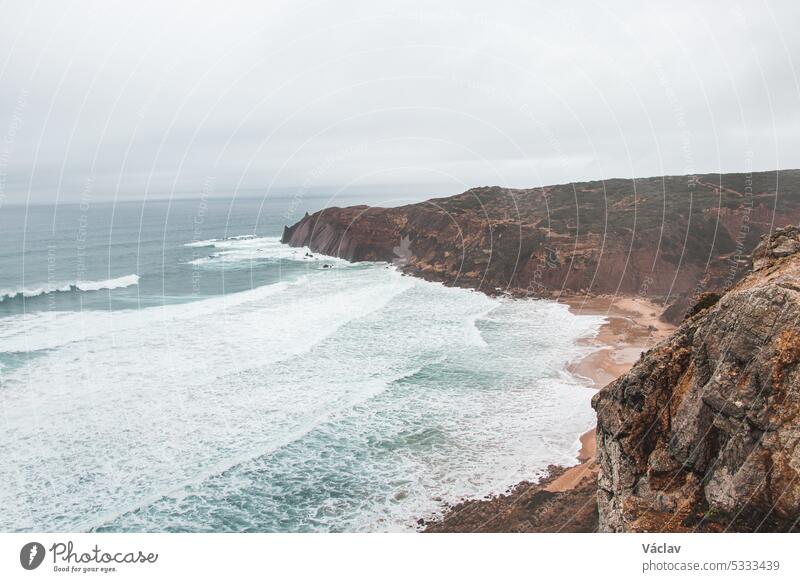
x=703 y=433
x=669 y=238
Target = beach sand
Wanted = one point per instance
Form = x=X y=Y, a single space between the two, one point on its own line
x=632 y=327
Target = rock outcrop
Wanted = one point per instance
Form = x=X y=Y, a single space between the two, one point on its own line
x=355 y=233
x=669 y=238
x=526 y=508
x=703 y=433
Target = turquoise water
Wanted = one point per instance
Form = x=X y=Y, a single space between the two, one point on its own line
x=173 y=367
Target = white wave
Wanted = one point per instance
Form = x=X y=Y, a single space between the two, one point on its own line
x=247 y=248
x=465 y=420
x=180 y=402
x=214 y=241
x=471 y=331
x=169 y=392
x=115 y=283
x=55 y=329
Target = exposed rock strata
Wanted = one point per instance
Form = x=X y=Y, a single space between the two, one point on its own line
x=703 y=433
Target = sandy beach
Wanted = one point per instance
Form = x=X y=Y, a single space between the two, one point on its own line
x=632 y=326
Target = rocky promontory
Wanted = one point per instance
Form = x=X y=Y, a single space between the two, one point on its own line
x=668 y=239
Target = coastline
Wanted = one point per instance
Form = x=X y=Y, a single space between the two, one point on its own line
x=632 y=326
x=564 y=500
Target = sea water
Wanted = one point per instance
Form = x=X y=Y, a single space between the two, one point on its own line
x=171 y=366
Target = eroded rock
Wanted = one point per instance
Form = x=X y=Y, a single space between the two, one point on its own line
x=703 y=432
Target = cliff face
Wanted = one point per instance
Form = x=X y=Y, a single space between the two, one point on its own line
x=355 y=233
x=703 y=433
x=662 y=238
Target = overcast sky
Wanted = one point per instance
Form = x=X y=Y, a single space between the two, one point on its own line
x=399 y=99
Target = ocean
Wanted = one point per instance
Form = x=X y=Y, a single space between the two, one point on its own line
x=171 y=366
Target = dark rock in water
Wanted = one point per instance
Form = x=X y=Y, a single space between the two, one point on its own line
x=327 y=266
x=702 y=433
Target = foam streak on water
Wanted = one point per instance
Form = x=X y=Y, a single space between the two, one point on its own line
x=247 y=249
x=346 y=399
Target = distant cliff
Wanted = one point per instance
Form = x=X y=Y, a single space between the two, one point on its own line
x=668 y=239
x=703 y=433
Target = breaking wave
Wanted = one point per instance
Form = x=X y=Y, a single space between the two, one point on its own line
x=29 y=292
x=249 y=248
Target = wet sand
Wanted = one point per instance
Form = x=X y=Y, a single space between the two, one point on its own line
x=632 y=327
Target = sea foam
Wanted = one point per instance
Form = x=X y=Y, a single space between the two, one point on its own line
x=242 y=249
x=349 y=399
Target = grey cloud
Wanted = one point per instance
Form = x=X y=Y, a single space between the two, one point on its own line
x=421 y=98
